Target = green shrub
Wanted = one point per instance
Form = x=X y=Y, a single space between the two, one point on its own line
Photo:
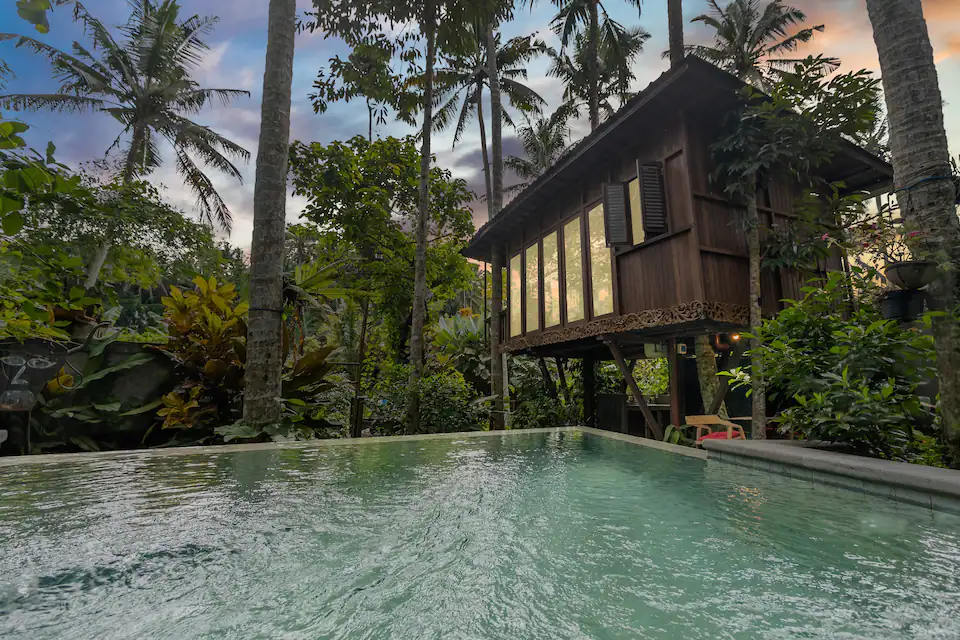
x=541 y=411
x=447 y=403
x=848 y=375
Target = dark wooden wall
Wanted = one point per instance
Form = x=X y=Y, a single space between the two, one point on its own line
x=664 y=271
x=703 y=256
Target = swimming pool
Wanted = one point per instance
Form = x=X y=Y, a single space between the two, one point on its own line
x=545 y=535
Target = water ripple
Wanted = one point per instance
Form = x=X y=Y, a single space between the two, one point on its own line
x=527 y=536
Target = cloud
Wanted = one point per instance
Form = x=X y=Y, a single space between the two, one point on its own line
x=236 y=60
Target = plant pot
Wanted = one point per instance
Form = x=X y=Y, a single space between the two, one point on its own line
x=911 y=274
x=24 y=370
x=904 y=306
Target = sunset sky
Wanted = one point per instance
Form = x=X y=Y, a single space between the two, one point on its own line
x=237 y=56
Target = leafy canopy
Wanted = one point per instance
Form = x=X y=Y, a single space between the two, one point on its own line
x=797 y=128
x=143 y=80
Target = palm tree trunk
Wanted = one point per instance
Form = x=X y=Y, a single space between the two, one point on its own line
x=496 y=364
x=561 y=375
x=264 y=328
x=93 y=270
x=369 y=121
x=496 y=123
x=486 y=156
x=547 y=378
x=759 y=395
x=130 y=164
x=494 y=205
x=921 y=167
x=707 y=373
x=675 y=21
x=129 y=169
x=429 y=26
x=361 y=354
x=593 y=67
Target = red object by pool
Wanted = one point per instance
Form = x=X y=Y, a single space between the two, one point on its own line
x=719 y=435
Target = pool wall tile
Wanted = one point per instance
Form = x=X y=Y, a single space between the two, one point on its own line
x=927 y=487
x=947 y=504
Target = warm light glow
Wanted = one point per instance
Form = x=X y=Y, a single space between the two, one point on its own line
x=636 y=214
x=532 y=264
x=516 y=293
x=573 y=270
x=551 y=281
x=735 y=337
x=600 y=263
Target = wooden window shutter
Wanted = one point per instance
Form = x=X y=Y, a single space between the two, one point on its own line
x=653 y=200
x=615 y=214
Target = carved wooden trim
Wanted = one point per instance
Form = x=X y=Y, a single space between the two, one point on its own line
x=680 y=314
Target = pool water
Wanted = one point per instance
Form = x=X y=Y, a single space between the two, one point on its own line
x=552 y=536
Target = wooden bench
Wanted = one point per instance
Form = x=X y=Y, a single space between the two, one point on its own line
x=705 y=425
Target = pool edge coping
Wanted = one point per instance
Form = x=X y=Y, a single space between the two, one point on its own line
x=928 y=487
x=58 y=458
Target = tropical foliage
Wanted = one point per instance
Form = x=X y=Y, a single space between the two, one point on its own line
x=612 y=66
x=544 y=141
x=143 y=80
x=364 y=316
x=751 y=40
x=847 y=375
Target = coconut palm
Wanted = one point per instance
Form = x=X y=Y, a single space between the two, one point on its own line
x=750 y=40
x=922 y=172
x=265 y=326
x=589 y=19
x=675 y=26
x=613 y=67
x=544 y=141
x=461 y=83
x=143 y=80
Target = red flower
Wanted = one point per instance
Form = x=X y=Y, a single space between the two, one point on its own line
x=825 y=236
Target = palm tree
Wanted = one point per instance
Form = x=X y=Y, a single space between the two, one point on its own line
x=583 y=18
x=544 y=141
x=675 y=25
x=613 y=68
x=265 y=326
x=143 y=81
x=461 y=82
x=921 y=167
x=749 y=41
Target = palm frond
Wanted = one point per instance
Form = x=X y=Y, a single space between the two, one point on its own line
x=49 y=102
x=209 y=203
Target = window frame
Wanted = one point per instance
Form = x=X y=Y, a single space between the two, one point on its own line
x=589 y=259
x=584 y=273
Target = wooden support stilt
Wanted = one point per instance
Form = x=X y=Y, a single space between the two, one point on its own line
x=547 y=378
x=563 y=379
x=676 y=410
x=634 y=389
x=589 y=392
x=724 y=384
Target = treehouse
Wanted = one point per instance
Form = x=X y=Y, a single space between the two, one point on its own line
x=624 y=249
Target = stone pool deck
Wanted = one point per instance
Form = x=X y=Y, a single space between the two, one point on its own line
x=930 y=487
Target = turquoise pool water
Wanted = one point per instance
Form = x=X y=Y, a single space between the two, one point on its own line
x=548 y=536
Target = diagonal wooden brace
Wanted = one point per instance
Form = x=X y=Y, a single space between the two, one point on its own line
x=634 y=389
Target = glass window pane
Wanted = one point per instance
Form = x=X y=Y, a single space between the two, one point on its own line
x=573 y=270
x=516 y=287
x=600 y=267
x=551 y=281
x=532 y=263
x=636 y=212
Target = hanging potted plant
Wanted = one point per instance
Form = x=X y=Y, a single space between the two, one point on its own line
x=909 y=276
x=902 y=270
x=887 y=241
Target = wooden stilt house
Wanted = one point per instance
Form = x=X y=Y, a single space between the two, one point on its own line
x=625 y=242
